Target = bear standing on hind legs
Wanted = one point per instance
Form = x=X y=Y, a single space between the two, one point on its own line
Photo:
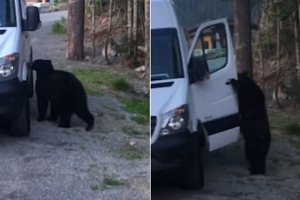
x=65 y=93
x=254 y=122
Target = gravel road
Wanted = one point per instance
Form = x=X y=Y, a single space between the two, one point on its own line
x=226 y=177
x=72 y=164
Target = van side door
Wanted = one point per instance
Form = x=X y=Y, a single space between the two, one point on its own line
x=214 y=102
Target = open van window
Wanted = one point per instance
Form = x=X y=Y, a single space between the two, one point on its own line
x=166 y=61
x=7 y=13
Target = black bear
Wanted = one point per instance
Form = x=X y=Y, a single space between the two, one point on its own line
x=254 y=122
x=65 y=93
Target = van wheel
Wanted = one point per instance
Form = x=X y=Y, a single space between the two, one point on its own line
x=20 y=124
x=30 y=86
x=193 y=176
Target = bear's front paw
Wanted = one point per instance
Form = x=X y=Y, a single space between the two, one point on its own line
x=40 y=119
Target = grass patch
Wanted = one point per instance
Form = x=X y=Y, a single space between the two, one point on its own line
x=138 y=106
x=296 y=145
x=286 y=125
x=94 y=187
x=99 y=81
x=120 y=84
x=140 y=119
x=108 y=108
x=100 y=114
x=58 y=27
x=131 y=131
x=131 y=153
x=112 y=182
x=292 y=127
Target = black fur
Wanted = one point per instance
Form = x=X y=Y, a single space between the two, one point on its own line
x=65 y=93
x=254 y=122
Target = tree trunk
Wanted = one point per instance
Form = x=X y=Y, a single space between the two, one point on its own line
x=278 y=59
x=296 y=38
x=94 y=27
x=242 y=36
x=108 y=33
x=261 y=60
x=75 y=30
x=147 y=37
x=134 y=29
x=129 y=19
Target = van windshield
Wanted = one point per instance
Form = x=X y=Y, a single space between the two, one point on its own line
x=166 y=61
x=7 y=13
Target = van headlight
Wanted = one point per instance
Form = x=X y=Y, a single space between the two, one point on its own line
x=9 y=66
x=177 y=121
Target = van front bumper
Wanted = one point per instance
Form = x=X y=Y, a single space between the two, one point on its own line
x=12 y=93
x=172 y=148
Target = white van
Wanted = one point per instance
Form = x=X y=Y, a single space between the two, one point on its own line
x=16 y=82
x=191 y=106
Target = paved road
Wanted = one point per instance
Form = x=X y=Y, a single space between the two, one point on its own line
x=53 y=16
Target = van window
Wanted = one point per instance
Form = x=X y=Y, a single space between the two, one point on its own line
x=7 y=13
x=166 y=61
x=212 y=41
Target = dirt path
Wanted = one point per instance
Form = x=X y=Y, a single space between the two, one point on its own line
x=226 y=177
x=72 y=164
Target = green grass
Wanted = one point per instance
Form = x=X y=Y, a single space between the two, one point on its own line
x=98 y=81
x=108 y=108
x=292 y=127
x=112 y=182
x=285 y=125
x=138 y=106
x=131 y=131
x=140 y=119
x=131 y=153
x=94 y=187
x=58 y=27
x=120 y=84
x=296 y=145
x=100 y=114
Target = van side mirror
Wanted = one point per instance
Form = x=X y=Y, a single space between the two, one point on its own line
x=198 y=69
x=33 y=21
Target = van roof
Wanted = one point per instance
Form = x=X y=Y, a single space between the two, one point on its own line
x=163 y=14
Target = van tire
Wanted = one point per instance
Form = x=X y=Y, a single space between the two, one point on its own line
x=30 y=86
x=193 y=175
x=20 y=124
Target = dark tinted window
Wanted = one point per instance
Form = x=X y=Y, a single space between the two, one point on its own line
x=166 y=61
x=7 y=13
